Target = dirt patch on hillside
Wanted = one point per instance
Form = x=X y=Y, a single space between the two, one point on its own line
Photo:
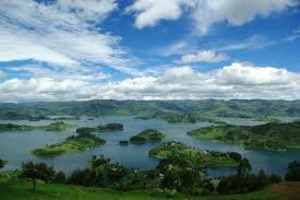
x=286 y=187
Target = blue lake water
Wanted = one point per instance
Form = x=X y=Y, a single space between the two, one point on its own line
x=16 y=146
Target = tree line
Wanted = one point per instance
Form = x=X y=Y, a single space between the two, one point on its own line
x=170 y=176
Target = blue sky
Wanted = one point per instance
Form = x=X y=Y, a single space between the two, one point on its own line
x=149 y=49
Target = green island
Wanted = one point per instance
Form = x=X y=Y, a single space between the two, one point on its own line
x=124 y=142
x=194 y=158
x=81 y=142
x=110 y=127
x=56 y=126
x=148 y=136
x=101 y=128
x=270 y=136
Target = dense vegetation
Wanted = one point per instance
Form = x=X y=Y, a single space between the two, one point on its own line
x=14 y=127
x=169 y=179
x=183 y=155
x=172 y=111
x=110 y=127
x=148 y=136
x=293 y=171
x=81 y=142
x=56 y=126
x=106 y=127
x=274 y=136
x=2 y=163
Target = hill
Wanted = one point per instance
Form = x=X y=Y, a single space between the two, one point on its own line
x=171 y=111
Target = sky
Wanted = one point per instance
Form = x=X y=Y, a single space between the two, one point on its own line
x=63 y=50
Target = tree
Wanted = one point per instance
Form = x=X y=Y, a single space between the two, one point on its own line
x=59 y=177
x=37 y=171
x=2 y=163
x=293 y=171
x=244 y=167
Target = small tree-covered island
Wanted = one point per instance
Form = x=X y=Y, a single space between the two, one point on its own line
x=81 y=142
x=101 y=128
x=178 y=152
x=149 y=135
x=56 y=126
x=271 y=136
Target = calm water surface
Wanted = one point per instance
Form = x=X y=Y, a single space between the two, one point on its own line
x=15 y=146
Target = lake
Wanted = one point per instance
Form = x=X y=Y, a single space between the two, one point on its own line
x=16 y=146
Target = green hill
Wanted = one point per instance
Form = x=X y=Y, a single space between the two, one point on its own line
x=21 y=191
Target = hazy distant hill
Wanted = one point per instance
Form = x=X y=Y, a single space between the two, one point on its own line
x=185 y=110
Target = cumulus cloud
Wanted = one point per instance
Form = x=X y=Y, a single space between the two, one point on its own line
x=64 y=32
x=238 y=80
x=148 y=12
x=235 y=12
x=206 y=12
x=203 y=56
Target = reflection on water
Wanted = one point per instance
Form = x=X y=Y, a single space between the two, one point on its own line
x=15 y=146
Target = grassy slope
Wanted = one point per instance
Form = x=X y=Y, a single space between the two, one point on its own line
x=22 y=191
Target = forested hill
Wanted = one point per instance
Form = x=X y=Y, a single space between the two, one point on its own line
x=170 y=110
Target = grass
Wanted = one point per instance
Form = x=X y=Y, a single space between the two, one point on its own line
x=22 y=191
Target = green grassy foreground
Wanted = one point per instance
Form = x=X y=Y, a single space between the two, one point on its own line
x=22 y=191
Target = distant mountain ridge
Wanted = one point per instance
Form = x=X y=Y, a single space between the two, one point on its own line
x=173 y=110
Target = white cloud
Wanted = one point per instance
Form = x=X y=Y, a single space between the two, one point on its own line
x=61 y=33
x=88 y=10
x=294 y=36
x=235 y=12
x=206 y=12
x=247 y=74
x=2 y=74
x=203 y=56
x=149 y=13
x=177 y=48
x=238 y=80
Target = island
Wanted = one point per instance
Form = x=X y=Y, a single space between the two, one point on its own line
x=270 y=136
x=56 y=126
x=194 y=158
x=101 y=128
x=110 y=127
x=148 y=136
x=124 y=143
x=81 y=142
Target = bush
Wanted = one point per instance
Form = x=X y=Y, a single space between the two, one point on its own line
x=60 y=178
x=293 y=171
